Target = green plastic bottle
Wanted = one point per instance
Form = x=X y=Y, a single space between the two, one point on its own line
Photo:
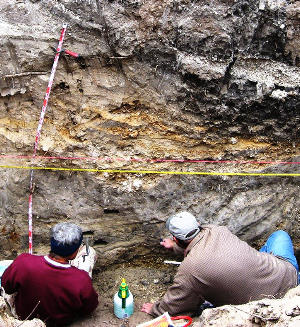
x=123 y=301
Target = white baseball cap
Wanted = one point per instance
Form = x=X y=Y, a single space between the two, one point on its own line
x=183 y=226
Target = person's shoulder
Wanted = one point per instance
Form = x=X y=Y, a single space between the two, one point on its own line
x=211 y=229
x=212 y=226
x=217 y=228
x=24 y=257
x=28 y=255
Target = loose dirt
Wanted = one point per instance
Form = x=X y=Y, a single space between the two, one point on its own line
x=148 y=280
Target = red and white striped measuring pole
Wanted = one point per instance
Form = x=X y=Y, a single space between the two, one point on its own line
x=38 y=132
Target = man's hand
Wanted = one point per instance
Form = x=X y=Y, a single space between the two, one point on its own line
x=167 y=243
x=147 y=307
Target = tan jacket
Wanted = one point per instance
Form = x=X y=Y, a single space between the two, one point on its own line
x=222 y=269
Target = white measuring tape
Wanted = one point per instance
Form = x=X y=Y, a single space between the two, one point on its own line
x=38 y=132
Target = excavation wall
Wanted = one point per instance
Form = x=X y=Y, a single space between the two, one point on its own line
x=159 y=86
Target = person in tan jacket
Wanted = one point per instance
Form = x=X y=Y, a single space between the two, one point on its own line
x=220 y=268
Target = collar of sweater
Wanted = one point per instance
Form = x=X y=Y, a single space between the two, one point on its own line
x=55 y=263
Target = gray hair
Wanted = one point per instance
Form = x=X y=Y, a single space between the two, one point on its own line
x=66 y=233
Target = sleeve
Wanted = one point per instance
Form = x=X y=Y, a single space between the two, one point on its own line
x=182 y=296
x=89 y=298
x=10 y=279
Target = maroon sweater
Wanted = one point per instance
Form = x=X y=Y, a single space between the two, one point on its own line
x=64 y=292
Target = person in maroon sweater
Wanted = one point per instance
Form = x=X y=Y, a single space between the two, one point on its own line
x=49 y=287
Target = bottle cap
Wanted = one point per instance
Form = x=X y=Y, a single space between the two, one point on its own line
x=123 y=291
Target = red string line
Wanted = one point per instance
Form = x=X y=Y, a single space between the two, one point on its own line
x=148 y=160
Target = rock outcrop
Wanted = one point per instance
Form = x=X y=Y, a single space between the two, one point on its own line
x=7 y=320
x=283 y=312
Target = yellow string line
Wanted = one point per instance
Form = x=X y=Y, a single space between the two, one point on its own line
x=154 y=171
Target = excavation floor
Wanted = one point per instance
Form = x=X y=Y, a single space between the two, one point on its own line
x=147 y=280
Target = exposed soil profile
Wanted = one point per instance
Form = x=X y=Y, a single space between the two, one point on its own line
x=172 y=105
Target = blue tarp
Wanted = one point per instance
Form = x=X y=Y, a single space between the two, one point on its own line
x=3 y=265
